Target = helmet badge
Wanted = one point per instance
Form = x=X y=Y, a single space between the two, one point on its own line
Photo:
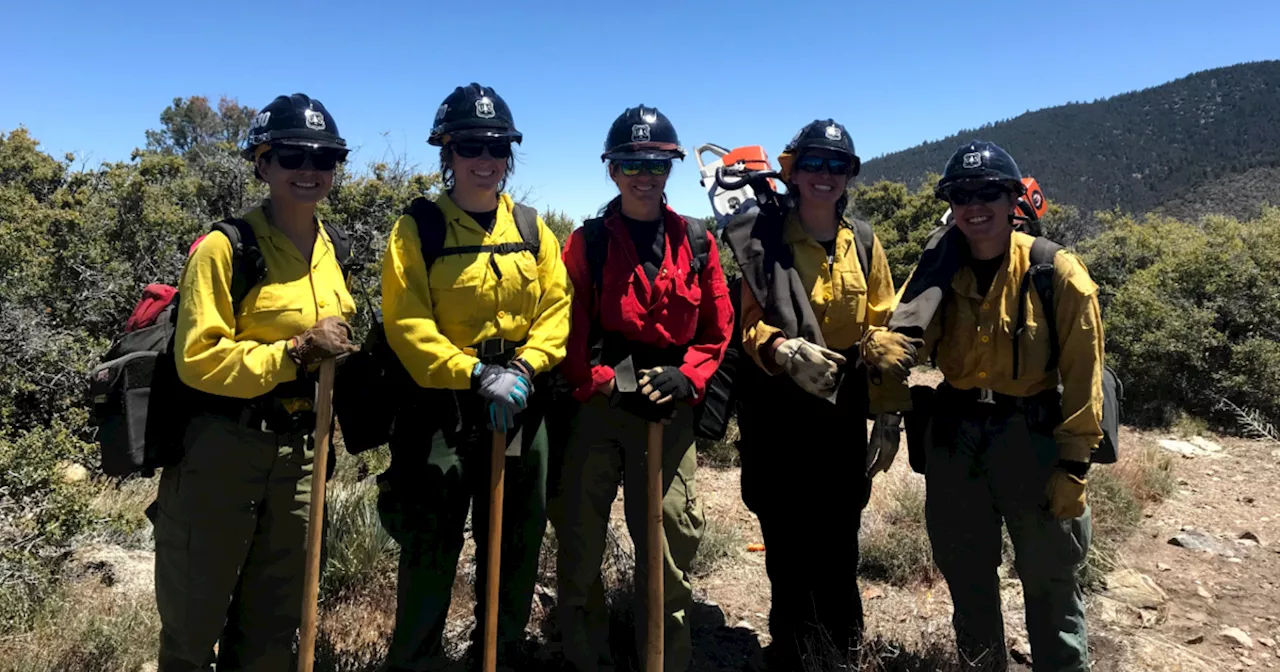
x=833 y=133
x=315 y=120
x=973 y=160
x=443 y=110
x=484 y=108
x=640 y=133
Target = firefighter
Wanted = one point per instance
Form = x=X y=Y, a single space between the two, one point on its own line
x=651 y=321
x=477 y=328
x=814 y=279
x=1003 y=444
x=231 y=524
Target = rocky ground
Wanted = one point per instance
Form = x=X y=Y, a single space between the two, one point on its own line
x=1193 y=586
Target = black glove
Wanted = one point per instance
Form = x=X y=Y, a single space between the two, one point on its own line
x=664 y=383
x=639 y=405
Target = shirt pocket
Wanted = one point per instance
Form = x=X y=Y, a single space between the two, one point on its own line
x=273 y=299
x=457 y=284
x=684 y=298
x=528 y=291
x=1034 y=341
x=850 y=295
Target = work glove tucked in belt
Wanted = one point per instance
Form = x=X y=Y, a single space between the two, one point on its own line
x=1066 y=490
x=814 y=368
x=890 y=352
x=507 y=390
x=886 y=433
x=326 y=339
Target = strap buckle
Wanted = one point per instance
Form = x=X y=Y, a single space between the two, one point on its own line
x=985 y=396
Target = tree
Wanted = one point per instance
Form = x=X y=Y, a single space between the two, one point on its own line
x=190 y=123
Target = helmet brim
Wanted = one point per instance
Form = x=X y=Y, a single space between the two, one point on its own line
x=1015 y=187
x=643 y=154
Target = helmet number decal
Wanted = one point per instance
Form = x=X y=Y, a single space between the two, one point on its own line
x=444 y=109
x=484 y=108
x=640 y=133
x=315 y=120
x=973 y=160
x=259 y=122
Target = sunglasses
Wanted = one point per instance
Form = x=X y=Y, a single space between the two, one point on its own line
x=632 y=167
x=473 y=150
x=984 y=195
x=321 y=159
x=816 y=164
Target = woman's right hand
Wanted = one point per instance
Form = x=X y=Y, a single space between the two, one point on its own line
x=326 y=339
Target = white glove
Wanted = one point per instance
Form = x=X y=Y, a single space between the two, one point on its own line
x=886 y=432
x=813 y=367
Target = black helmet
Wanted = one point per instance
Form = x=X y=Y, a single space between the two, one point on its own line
x=642 y=133
x=824 y=134
x=293 y=120
x=980 y=161
x=473 y=111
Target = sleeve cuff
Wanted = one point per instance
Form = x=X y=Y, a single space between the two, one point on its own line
x=536 y=359
x=1075 y=450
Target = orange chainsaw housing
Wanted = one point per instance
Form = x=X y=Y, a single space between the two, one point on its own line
x=753 y=157
x=1033 y=204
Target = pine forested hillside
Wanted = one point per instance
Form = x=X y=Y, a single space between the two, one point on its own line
x=1137 y=150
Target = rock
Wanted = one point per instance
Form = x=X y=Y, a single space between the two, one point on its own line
x=1247 y=661
x=745 y=625
x=1267 y=642
x=1235 y=560
x=1135 y=589
x=1195 y=640
x=1163 y=567
x=872 y=593
x=1236 y=636
x=1020 y=650
x=1198 y=616
x=1115 y=612
x=1197 y=540
x=122 y=570
x=70 y=472
x=1203 y=593
x=1205 y=444
x=1249 y=536
x=1184 y=448
x=150 y=667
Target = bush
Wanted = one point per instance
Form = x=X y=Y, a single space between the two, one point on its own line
x=894 y=544
x=1191 y=313
x=358 y=549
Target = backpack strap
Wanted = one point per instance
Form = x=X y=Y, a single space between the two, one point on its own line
x=864 y=238
x=596 y=236
x=527 y=223
x=1039 y=275
x=430 y=221
x=431 y=232
x=248 y=267
x=696 y=232
x=341 y=241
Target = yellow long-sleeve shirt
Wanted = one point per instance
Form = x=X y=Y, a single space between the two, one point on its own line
x=242 y=355
x=845 y=301
x=976 y=348
x=430 y=317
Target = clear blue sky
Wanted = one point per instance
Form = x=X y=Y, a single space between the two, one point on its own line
x=91 y=77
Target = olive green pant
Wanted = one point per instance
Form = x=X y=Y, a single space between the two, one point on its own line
x=607 y=449
x=230 y=533
x=423 y=503
x=983 y=467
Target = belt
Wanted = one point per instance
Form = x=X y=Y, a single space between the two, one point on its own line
x=267 y=414
x=494 y=348
x=983 y=398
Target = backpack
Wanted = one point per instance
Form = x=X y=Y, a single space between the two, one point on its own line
x=138 y=405
x=373 y=382
x=1040 y=276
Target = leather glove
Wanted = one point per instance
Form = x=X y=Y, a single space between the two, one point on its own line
x=326 y=339
x=1066 y=494
x=664 y=383
x=813 y=367
x=886 y=434
x=891 y=352
x=507 y=390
